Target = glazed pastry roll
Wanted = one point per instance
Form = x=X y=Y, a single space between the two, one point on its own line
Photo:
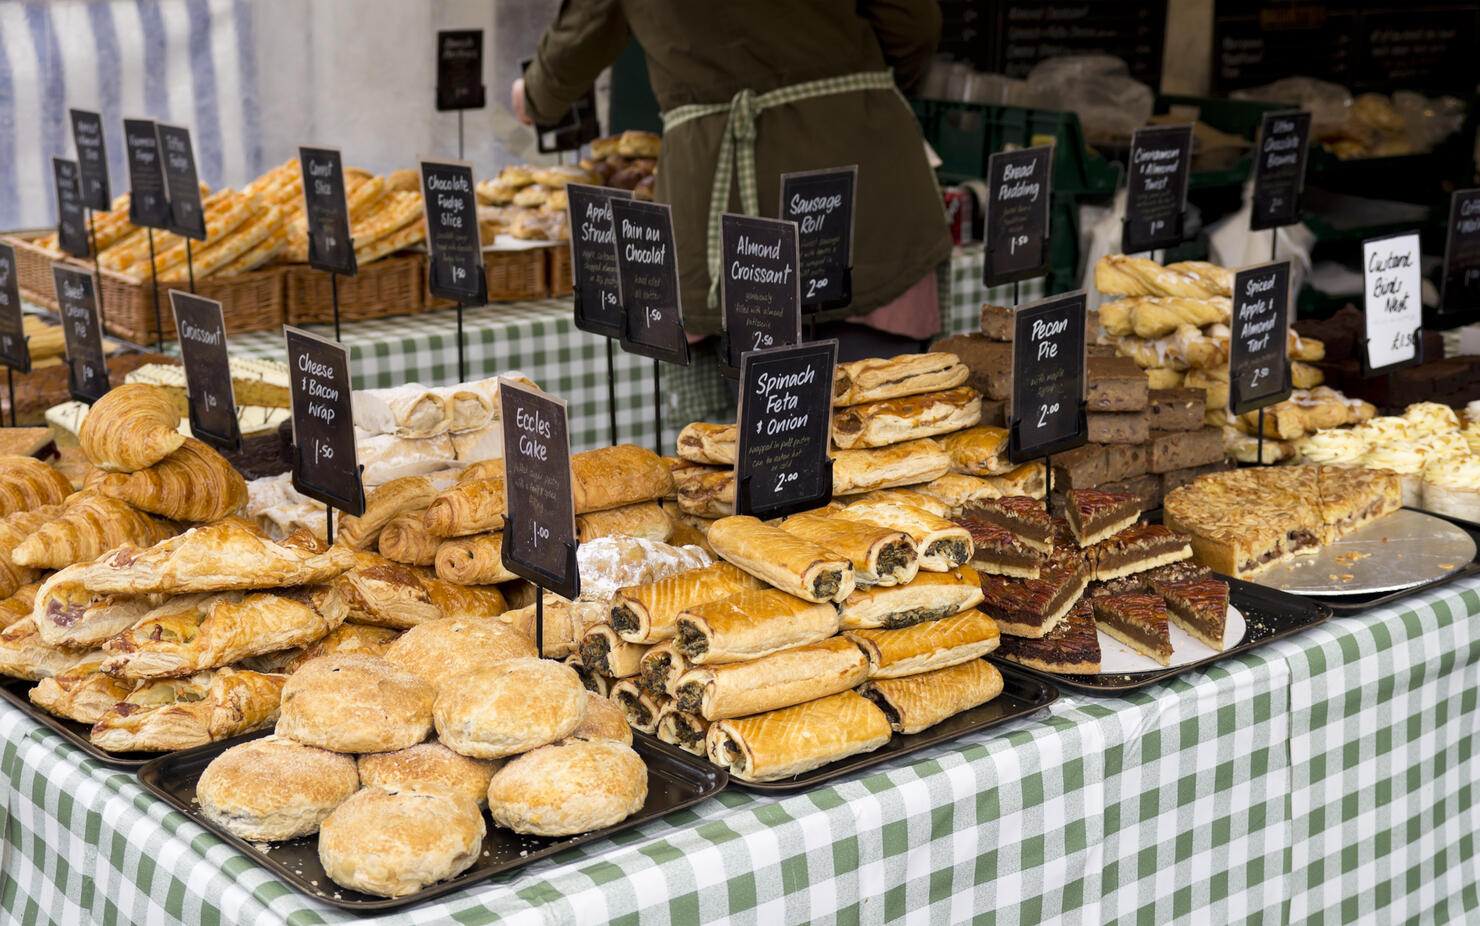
x=661 y=667
x=931 y=596
x=919 y=702
x=178 y=713
x=980 y=451
x=799 y=567
x=905 y=464
x=344 y=639
x=640 y=707
x=787 y=742
x=916 y=498
x=782 y=679
x=876 y=378
x=713 y=444
x=605 y=653
x=67 y=614
x=931 y=645
x=384 y=593
x=82 y=693
x=682 y=729
x=749 y=625
x=613 y=477
x=475 y=560
x=648 y=613
x=880 y=556
x=470 y=507
x=409 y=493
x=645 y=519
x=879 y=424
x=405 y=539
x=943 y=545
x=709 y=494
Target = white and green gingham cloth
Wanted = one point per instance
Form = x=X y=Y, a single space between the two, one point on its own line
x=1328 y=777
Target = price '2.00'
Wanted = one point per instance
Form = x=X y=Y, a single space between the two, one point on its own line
x=1044 y=411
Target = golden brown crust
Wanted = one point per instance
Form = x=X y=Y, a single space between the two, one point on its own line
x=568 y=788
x=90 y=525
x=943 y=545
x=274 y=788
x=14 y=529
x=132 y=427
x=441 y=650
x=645 y=519
x=909 y=463
x=393 y=842
x=513 y=707
x=178 y=713
x=788 y=562
x=878 y=424
x=751 y=624
x=82 y=693
x=647 y=613
x=429 y=764
x=405 y=539
x=880 y=556
x=470 y=507
x=27 y=484
x=927 y=646
x=782 y=743
x=979 y=451
x=603 y=721
x=782 y=679
x=931 y=596
x=876 y=379
x=919 y=702
x=612 y=477
x=390 y=594
x=409 y=493
x=195 y=483
x=352 y=703
x=712 y=444
x=475 y=560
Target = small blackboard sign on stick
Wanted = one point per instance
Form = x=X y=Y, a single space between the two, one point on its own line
x=455 y=258
x=598 y=304
x=1258 y=348
x=92 y=160
x=460 y=70
x=325 y=459
x=1393 y=308
x=539 y=524
x=148 y=202
x=1156 y=188
x=647 y=281
x=187 y=215
x=208 y=386
x=1019 y=189
x=821 y=203
x=785 y=427
x=326 y=206
x=1048 y=381
x=760 y=292
x=1279 y=169
x=15 y=352
x=77 y=300
x=71 y=219
x=1462 y=255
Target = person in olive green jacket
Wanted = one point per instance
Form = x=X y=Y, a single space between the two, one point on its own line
x=839 y=104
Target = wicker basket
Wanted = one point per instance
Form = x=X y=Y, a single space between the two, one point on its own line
x=562 y=278
x=33 y=269
x=251 y=301
x=513 y=276
x=392 y=286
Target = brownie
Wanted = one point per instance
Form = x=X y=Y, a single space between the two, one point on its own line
x=1148 y=487
x=1125 y=461
x=1116 y=384
x=1178 y=478
x=990 y=362
x=997 y=322
x=261 y=455
x=1080 y=468
x=1177 y=409
x=1180 y=449
x=1072 y=647
x=1119 y=427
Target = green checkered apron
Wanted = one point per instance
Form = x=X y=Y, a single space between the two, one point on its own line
x=737 y=148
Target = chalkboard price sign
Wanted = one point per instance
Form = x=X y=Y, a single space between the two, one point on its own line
x=212 y=398
x=1462 y=255
x=781 y=462
x=325 y=462
x=594 y=258
x=14 y=351
x=1393 y=308
x=647 y=280
x=759 y=289
x=92 y=159
x=460 y=70
x=455 y=261
x=821 y=203
x=77 y=298
x=187 y=217
x=148 y=201
x=1018 y=188
x=1279 y=169
x=540 y=525
x=1156 y=192
x=330 y=246
x=1048 y=384
x=71 y=220
x=1258 y=349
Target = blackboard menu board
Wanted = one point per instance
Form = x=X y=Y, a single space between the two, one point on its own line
x=14 y=351
x=1156 y=188
x=149 y=202
x=71 y=220
x=208 y=386
x=1011 y=36
x=455 y=259
x=647 y=280
x=540 y=525
x=92 y=159
x=785 y=426
x=187 y=217
x=330 y=246
x=77 y=298
x=1393 y=309
x=1279 y=169
x=1258 y=348
x=1462 y=255
x=1048 y=383
x=759 y=291
x=460 y=69
x=594 y=258
x=821 y=202
x=325 y=460
x=1016 y=225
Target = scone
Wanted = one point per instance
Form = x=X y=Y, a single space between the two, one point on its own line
x=568 y=788
x=354 y=703
x=274 y=788
x=394 y=841
x=510 y=708
x=451 y=647
x=426 y=765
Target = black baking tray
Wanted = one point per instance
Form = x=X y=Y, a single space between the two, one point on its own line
x=17 y=691
x=675 y=780
x=1351 y=604
x=1022 y=695
x=1268 y=614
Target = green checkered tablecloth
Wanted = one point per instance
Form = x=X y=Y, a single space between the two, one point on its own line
x=963 y=292
x=1327 y=777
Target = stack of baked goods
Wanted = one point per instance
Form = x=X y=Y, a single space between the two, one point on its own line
x=385 y=212
x=244 y=231
x=1053 y=584
x=1305 y=412
x=1452 y=380
x=413 y=430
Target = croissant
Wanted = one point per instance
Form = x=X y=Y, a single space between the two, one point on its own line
x=131 y=428
x=89 y=527
x=405 y=540
x=476 y=560
x=195 y=483
x=26 y=483
x=470 y=507
x=13 y=532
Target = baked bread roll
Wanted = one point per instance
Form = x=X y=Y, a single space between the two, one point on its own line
x=906 y=464
x=788 y=562
x=27 y=484
x=568 y=788
x=931 y=596
x=943 y=546
x=475 y=560
x=603 y=721
x=204 y=631
x=429 y=765
x=89 y=526
x=612 y=477
x=682 y=729
x=605 y=653
x=646 y=520
x=166 y=714
x=67 y=614
x=787 y=742
x=980 y=451
x=880 y=556
x=780 y=680
x=749 y=625
x=713 y=444
x=14 y=529
x=272 y=789
x=409 y=493
x=353 y=703
x=391 y=842
x=890 y=421
x=389 y=594
x=132 y=427
x=82 y=693
x=919 y=702
x=876 y=379
x=648 y=613
x=927 y=646
x=442 y=650
x=640 y=706
x=511 y=708
x=472 y=506
x=405 y=539
x=195 y=483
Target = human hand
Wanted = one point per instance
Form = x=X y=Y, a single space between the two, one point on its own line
x=516 y=94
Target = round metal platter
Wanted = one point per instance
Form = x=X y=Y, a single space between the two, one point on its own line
x=1405 y=549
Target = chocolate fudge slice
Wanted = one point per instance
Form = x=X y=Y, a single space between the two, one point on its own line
x=990 y=362
x=1033 y=607
x=1024 y=517
x=1199 y=607
x=1094 y=516
x=1080 y=468
x=1138 y=621
x=999 y=552
x=1124 y=461
x=1073 y=647
x=1178 y=409
x=1115 y=384
x=997 y=322
x=1136 y=549
x=1180 y=449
